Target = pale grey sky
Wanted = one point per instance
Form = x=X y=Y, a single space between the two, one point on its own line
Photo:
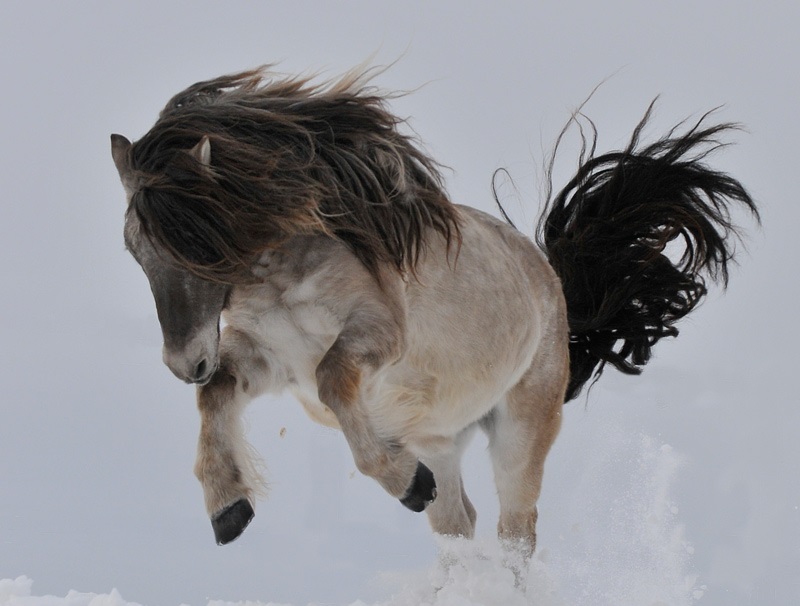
x=97 y=438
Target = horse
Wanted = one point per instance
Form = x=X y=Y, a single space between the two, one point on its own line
x=300 y=213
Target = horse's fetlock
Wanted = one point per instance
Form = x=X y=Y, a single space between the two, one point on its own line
x=519 y=528
x=373 y=466
x=220 y=470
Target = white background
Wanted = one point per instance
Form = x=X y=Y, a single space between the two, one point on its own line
x=97 y=438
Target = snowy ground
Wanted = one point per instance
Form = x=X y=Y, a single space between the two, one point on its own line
x=639 y=557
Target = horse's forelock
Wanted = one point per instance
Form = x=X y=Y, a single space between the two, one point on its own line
x=200 y=221
x=180 y=226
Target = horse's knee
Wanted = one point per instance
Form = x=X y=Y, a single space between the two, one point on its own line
x=373 y=466
x=215 y=395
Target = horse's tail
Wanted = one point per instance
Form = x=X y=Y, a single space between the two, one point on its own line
x=607 y=235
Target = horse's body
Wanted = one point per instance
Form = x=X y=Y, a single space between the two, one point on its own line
x=405 y=330
x=448 y=360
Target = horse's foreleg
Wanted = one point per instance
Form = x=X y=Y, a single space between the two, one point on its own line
x=362 y=348
x=225 y=465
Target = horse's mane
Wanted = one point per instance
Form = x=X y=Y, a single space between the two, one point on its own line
x=288 y=156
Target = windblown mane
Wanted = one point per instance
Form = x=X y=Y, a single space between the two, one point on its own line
x=288 y=157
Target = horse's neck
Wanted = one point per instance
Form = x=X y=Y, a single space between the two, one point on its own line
x=306 y=272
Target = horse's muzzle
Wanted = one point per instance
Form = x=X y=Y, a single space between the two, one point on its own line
x=196 y=370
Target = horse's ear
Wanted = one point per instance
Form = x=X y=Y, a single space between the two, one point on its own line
x=119 y=151
x=202 y=151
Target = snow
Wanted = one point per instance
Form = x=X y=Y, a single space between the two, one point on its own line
x=638 y=557
x=17 y=592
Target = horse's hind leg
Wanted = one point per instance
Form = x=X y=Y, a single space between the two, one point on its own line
x=521 y=430
x=452 y=512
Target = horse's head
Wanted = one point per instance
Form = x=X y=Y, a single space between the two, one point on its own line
x=188 y=306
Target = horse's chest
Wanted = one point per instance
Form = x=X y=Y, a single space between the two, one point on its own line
x=299 y=336
x=296 y=339
x=292 y=336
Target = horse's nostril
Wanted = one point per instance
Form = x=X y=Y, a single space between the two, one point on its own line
x=200 y=369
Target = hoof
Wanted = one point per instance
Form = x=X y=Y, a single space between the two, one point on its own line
x=422 y=491
x=229 y=523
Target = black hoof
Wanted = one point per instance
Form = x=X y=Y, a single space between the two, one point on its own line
x=422 y=491
x=229 y=523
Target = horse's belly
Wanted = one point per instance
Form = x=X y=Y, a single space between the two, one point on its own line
x=316 y=410
x=425 y=403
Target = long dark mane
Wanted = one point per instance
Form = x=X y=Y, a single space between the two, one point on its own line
x=288 y=157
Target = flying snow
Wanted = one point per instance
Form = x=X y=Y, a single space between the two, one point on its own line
x=638 y=556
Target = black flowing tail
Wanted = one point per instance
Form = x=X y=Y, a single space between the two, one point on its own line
x=606 y=235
